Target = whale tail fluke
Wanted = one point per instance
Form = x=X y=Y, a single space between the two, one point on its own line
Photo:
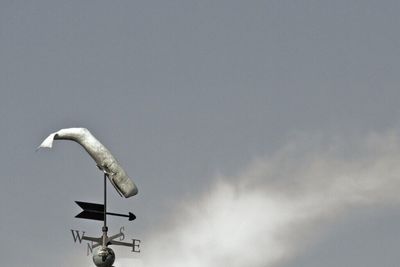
x=48 y=142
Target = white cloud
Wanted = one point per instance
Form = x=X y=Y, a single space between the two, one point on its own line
x=264 y=215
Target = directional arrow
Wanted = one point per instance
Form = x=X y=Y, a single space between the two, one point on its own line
x=94 y=211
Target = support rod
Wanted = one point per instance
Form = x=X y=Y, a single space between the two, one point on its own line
x=105 y=228
x=105 y=200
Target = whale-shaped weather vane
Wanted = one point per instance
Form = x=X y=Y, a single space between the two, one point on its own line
x=103 y=256
x=101 y=155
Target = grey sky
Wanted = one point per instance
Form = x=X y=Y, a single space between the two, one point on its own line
x=180 y=92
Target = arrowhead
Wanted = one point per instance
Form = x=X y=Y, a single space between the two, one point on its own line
x=131 y=216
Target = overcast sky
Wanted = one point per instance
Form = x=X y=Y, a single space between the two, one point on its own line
x=259 y=133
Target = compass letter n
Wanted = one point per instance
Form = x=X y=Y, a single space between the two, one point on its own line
x=89 y=248
x=76 y=235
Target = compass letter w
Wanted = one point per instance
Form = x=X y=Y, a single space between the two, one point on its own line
x=77 y=236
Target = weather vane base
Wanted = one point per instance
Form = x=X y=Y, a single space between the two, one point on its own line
x=103 y=256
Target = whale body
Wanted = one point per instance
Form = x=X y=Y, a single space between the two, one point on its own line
x=104 y=159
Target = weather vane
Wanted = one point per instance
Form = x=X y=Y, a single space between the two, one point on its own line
x=103 y=256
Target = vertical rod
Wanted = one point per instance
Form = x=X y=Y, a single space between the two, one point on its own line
x=105 y=200
x=105 y=229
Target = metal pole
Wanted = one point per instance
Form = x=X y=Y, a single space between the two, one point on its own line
x=105 y=200
x=105 y=229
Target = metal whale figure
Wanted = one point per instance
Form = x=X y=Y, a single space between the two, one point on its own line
x=101 y=155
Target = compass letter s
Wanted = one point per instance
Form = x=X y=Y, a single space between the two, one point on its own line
x=121 y=230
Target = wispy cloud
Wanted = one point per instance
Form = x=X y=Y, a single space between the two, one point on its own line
x=263 y=216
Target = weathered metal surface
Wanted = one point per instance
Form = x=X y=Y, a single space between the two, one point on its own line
x=101 y=155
